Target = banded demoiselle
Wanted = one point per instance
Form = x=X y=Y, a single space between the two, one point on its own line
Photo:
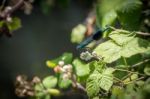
x=96 y=36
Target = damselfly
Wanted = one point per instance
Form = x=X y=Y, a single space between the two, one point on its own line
x=96 y=36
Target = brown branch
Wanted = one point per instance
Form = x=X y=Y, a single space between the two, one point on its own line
x=77 y=85
x=9 y=10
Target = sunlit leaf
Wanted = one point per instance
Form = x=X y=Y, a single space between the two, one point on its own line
x=78 y=33
x=92 y=84
x=121 y=37
x=54 y=92
x=14 y=24
x=123 y=44
x=50 y=82
x=109 y=51
x=109 y=18
x=81 y=68
x=99 y=80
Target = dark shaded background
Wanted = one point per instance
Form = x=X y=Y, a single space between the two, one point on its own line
x=41 y=37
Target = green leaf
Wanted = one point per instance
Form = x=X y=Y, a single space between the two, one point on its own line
x=127 y=12
x=107 y=79
x=14 y=25
x=54 y=92
x=47 y=97
x=117 y=92
x=92 y=84
x=39 y=87
x=1 y=23
x=147 y=69
x=39 y=91
x=78 y=33
x=64 y=83
x=128 y=19
x=99 y=80
x=50 y=82
x=96 y=97
x=40 y=94
x=81 y=68
x=111 y=51
x=108 y=18
x=135 y=46
x=121 y=37
x=96 y=65
x=66 y=57
x=130 y=61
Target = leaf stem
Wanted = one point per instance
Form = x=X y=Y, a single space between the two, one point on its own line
x=140 y=63
x=142 y=33
x=130 y=71
x=137 y=32
x=125 y=61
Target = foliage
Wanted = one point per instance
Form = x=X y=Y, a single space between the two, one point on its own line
x=117 y=67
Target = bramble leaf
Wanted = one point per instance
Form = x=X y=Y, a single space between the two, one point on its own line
x=121 y=37
x=123 y=44
x=92 y=84
x=107 y=79
x=109 y=51
x=99 y=80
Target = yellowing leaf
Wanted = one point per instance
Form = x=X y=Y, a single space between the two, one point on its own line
x=50 y=64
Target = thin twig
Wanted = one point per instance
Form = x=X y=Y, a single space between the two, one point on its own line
x=126 y=76
x=130 y=71
x=18 y=5
x=142 y=33
x=140 y=63
x=3 y=3
x=117 y=79
x=7 y=12
x=76 y=84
